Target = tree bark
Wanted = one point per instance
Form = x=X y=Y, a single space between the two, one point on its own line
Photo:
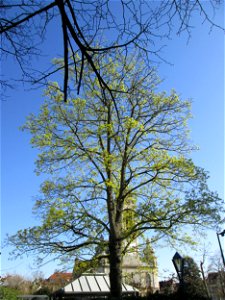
x=115 y=267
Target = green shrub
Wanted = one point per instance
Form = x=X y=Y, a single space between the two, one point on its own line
x=7 y=293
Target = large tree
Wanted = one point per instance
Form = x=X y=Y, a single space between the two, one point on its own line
x=102 y=154
x=92 y=29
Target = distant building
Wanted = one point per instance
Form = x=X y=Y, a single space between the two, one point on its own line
x=139 y=266
x=60 y=278
x=216 y=285
x=135 y=272
x=168 y=286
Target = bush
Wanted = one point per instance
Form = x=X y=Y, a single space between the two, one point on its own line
x=43 y=291
x=7 y=293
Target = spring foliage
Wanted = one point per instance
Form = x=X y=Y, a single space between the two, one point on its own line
x=100 y=150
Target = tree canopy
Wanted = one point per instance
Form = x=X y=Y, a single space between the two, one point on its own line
x=102 y=153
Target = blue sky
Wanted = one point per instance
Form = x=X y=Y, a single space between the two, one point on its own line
x=197 y=73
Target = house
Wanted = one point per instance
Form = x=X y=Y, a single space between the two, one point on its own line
x=216 y=285
x=168 y=286
x=59 y=279
x=60 y=276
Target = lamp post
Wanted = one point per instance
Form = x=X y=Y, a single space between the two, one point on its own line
x=221 y=250
x=178 y=262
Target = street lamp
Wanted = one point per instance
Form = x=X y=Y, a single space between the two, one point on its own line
x=178 y=262
x=221 y=250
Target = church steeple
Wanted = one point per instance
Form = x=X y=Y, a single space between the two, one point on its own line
x=129 y=220
x=148 y=255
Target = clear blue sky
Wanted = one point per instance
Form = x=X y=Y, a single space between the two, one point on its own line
x=197 y=73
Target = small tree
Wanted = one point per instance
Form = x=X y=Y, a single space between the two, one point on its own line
x=102 y=151
x=193 y=285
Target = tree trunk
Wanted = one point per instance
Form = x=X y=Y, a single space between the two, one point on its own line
x=115 y=268
x=204 y=280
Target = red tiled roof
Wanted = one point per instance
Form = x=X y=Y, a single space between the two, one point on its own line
x=61 y=276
